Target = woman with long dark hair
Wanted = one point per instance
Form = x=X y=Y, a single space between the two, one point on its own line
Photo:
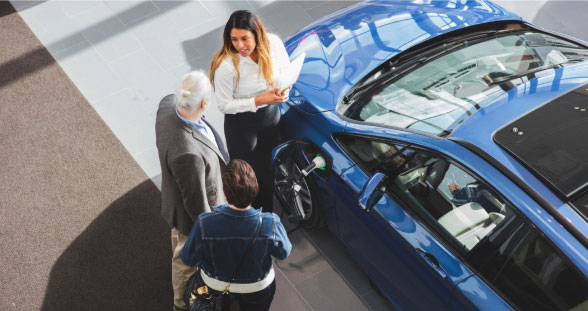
x=243 y=73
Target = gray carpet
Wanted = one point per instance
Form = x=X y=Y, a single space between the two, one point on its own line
x=79 y=220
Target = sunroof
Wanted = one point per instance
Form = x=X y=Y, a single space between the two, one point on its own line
x=553 y=141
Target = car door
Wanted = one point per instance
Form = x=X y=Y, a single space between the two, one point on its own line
x=400 y=242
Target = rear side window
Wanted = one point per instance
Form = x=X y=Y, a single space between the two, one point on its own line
x=529 y=271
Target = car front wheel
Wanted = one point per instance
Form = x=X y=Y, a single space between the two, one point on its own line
x=297 y=193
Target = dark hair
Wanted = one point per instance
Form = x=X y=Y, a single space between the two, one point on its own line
x=239 y=183
x=243 y=19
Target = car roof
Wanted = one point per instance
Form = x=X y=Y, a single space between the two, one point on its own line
x=480 y=128
x=345 y=46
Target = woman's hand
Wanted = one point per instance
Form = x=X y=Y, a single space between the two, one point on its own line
x=271 y=97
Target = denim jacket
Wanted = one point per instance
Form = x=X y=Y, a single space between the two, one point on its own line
x=219 y=239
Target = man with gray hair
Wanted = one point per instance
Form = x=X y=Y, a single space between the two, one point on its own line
x=192 y=156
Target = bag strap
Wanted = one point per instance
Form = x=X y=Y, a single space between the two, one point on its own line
x=245 y=254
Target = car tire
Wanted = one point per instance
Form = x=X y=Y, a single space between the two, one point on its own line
x=297 y=194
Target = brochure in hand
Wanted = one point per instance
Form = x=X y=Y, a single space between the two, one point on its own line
x=290 y=73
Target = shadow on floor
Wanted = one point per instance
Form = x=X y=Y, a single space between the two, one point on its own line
x=120 y=262
x=567 y=17
x=34 y=60
x=332 y=250
x=276 y=16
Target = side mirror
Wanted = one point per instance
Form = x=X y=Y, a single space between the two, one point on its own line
x=372 y=191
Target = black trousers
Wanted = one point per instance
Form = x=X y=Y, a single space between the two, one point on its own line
x=251 y=136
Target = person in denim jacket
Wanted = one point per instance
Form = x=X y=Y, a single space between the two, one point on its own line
x=219 y=239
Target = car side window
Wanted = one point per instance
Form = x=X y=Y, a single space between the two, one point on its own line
x=529 y=271
x=450 y=200
x=499 y=245
x=370 y=154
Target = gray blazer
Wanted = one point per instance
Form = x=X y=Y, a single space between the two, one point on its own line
x=191 y=168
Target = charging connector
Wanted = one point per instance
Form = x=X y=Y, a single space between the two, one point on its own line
x=318 y=162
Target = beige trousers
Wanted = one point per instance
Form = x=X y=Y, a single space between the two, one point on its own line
x=180 y=272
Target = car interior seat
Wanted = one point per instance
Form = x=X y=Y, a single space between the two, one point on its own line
x=469 y=223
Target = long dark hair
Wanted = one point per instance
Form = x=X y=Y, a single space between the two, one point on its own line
x=244 y=19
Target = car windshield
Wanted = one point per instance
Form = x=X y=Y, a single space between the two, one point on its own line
x=437 y=96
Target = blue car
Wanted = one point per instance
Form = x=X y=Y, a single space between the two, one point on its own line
x=445 y=144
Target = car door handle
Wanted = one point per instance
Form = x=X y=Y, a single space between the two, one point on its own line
x=432 y=261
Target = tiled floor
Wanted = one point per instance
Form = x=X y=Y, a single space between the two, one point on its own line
x=124 y=56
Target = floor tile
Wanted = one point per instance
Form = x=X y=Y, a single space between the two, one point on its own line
x=138 y=136
x=207 y=38
x=574 y=32
x=327 y=291
x=340 y=260
x=287 y=296
x=206 y=44
x=134 y=127
x=73 y=8
x=327 y=8
x=308 y=5
x=108 y=35
x=132 y=11
x=120 y=109
x=198 y=63
x=188 y=15
x=157 y=181
x=92 y=76
x=162 y=42
x=284 y=18
x=376 y=302
x=143 y=75
x=221 y=10
x=149 y=162
x=23 y=5
x=563 y=17
x=258 y=4
x=304 y=262
x=52 y=26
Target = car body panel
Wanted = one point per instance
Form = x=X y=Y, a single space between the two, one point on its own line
x=389 y=241
x=342 y=48
x=396 y=269
x=491 y=175
x=483 y=297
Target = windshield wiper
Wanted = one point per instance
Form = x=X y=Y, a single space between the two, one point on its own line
x=390 y=71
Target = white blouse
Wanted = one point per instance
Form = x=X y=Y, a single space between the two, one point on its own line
x=231 y=99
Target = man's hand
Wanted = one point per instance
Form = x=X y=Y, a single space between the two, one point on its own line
x=454 y=187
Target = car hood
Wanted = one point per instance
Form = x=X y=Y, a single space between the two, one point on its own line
x=343 y=47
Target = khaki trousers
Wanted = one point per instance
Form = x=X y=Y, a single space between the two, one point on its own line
x=180 y=272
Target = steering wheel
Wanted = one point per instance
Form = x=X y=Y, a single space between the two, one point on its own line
x=465 y=194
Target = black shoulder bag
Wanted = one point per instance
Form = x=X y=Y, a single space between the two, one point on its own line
x=199 y=297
